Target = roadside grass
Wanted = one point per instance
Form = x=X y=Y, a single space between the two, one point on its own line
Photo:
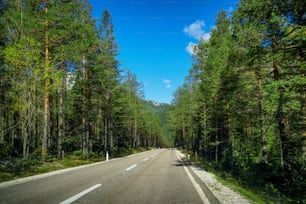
x=259 y=194
x=249 y=194
x=265 y=194
x=228 y=180
x=20 y=167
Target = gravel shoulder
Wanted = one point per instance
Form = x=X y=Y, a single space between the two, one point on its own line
x=223 y=193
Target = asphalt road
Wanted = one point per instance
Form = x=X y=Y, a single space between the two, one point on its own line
x=150 y=177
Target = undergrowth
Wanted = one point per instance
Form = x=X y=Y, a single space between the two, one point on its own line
x=264 y=193
x=15 y=168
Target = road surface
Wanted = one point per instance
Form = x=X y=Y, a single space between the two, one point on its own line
x=156 y=176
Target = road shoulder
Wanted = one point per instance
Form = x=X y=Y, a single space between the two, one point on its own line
x=224 y=194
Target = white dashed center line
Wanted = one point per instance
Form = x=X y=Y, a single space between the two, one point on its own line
x=77 y=196
x=131 y=167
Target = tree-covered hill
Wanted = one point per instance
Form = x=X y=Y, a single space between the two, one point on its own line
x=162 y=110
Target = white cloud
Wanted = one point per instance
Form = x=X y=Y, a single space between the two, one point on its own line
x=206 y=37
x=167 y=83
x=190 y=48
x=195 y=30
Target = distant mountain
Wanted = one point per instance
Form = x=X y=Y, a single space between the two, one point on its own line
x=161 y=110
x=155 y=103
x=157 y=107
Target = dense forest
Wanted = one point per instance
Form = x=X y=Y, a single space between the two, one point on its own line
x=242 y=108
x=61 y=86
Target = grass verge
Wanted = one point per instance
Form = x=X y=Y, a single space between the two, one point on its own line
x=229 y=181
x=250 y=195
x=19 y=167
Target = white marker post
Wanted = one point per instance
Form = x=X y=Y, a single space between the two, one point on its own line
x=106 y=155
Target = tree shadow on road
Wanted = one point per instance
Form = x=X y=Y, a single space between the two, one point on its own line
x=183 y=162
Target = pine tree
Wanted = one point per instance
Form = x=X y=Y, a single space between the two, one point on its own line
x=108 y=77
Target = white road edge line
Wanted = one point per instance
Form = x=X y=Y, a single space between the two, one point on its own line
x=76 y=197
x=131 y=167
x=195 y=184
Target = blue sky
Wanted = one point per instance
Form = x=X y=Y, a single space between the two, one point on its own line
x=155 y=38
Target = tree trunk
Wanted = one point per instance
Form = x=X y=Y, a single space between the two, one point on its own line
x=281 y=128
x=85 y=140
x=15 y=131
x=261 y=108
x=105 y=134
x=2 y=127
x=216 y=136
x=135 y=142
x=281 y=120
x=111 y=137
x=303 y=98
x=280 y=114
x=46 y=91
x=206 y=152
x=100 y=124
x=2 y=119
x=230 y=137
x=247 y=137
x=61 y=115
x=24 y=133
x=216 y=146
x=36 y=119
x=184 y=143
x=136 y=137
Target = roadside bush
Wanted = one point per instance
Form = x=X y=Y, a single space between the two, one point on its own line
x=77 y=153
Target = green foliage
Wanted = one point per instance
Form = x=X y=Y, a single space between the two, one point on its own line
x=242 y=107
x=18 y=168
x=61 y=90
